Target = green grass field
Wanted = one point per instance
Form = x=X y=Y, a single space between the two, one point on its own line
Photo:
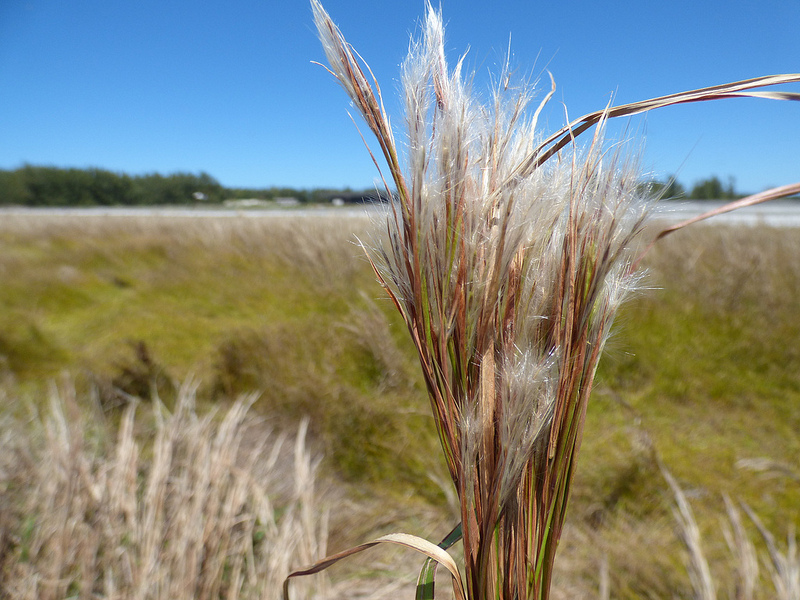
x=702 y=374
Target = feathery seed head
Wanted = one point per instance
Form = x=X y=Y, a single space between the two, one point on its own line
x=508 y=278
x=507 y=256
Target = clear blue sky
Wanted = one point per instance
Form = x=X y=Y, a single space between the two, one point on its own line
x=228 y=87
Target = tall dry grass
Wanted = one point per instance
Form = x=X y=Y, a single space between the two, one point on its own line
x=212 y=506
x=508 y=256
x=782 y=566
x=640 y=549
x=508 y=279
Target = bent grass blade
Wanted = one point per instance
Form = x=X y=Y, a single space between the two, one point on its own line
x=413 y=542
x=765 y=196
x=427 y=576
x=735 y=89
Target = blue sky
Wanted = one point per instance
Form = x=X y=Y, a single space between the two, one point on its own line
x=228 y=86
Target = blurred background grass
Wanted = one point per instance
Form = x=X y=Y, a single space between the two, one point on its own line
x=703 y=371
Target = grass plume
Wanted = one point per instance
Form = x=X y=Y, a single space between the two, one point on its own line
x=507 y=258
x=508 y=285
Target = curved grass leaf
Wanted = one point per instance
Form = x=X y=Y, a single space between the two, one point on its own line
x=770 y=194
x=736 y=89
x=414 y=542
x=427 y=576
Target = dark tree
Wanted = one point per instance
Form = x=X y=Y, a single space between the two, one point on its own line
x=713 y=189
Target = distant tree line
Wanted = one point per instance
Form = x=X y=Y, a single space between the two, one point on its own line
x=705 y=189
x=52 y=186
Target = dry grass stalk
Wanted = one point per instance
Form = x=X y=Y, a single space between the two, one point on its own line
x=744 y=554
x=699 y=571
x=507 y=259
x=508 y=286
x=195 y=520
x=784 y=568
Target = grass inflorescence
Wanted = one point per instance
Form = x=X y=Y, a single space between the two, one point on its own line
x=508 y=257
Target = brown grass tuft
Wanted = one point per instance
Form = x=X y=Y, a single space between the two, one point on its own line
x=206 y=509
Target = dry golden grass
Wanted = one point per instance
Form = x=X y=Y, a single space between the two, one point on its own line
x=212 y=506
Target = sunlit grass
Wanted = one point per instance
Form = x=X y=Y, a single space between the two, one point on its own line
x=179 y=285
x=190 y=506
x=286 y=307
x=703 y=365
x=508 y=255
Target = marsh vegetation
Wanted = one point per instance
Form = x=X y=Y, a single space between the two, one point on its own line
x=702 y=375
